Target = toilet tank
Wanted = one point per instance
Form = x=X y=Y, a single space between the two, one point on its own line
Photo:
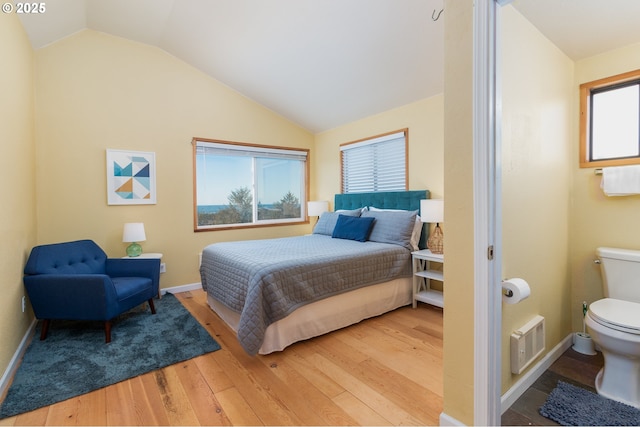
x=620 y=270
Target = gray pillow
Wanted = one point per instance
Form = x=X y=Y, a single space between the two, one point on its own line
x=327 y=221
x=394 y=227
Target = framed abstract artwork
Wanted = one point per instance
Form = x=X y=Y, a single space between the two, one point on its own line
x=131 y=177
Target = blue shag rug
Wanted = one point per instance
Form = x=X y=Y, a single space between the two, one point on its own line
x=75 y=360
x=569 y=405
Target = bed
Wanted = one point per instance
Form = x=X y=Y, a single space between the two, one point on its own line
x=355 y=265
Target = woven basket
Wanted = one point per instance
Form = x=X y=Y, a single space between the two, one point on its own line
x=435 y=243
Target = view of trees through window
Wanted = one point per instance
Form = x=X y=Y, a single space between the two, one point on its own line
x=241 y=184
x=239 y=210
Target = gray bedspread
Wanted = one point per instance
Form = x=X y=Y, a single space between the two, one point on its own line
x=265 y=280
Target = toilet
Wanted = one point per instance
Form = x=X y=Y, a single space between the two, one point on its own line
x=614 y=325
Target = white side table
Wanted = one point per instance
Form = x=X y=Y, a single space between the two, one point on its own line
x=422 y=276
x=151 y=255
x=146 y=255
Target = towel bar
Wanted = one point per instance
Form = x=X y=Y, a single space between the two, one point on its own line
x=597 y=171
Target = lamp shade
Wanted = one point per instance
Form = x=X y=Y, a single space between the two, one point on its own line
x=134 y=232
x=316 y=208
x=432 y=210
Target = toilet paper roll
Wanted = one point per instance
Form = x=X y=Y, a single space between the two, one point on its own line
x=518 y=289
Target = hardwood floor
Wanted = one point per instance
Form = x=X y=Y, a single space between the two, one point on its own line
x=572 y=367
x=385 y=370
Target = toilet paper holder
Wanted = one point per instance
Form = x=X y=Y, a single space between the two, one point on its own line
x=506 y=291
x=515 y=290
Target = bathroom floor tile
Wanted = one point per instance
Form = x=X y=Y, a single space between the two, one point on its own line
x=579 y=367
x=572 y=367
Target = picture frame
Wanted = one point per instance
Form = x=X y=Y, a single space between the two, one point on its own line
x=131 y=177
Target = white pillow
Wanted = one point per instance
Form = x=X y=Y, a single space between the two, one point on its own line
x=417 y=232
x=374 y=209
x=351 y=211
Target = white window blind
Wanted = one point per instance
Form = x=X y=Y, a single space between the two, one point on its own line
x=377 y=164
x=226 y=149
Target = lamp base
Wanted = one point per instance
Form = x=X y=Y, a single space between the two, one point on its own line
x=435 y=243
x=134 y=250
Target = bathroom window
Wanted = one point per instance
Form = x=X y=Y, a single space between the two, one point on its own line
x=245 y=185
x=610 y=121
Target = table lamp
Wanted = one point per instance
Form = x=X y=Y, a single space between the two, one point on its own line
x=133 y=233
x=432 y=210
x=317 y=208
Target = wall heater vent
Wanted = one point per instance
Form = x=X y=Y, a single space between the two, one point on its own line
x=527 y=343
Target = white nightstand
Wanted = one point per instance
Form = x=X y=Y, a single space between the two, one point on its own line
x=146 y=255
x=422 y=276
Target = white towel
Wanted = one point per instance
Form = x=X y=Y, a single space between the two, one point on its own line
x=621 y=180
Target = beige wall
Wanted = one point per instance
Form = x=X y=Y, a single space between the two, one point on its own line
x=598 y=220
x=17 y=169
x=95 y=92
x=458 y=185
x=426 y=144
x=537 y=141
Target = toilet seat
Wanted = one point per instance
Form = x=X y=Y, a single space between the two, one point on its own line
x=617 y=314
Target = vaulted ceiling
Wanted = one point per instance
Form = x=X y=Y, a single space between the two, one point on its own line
x=323 y=63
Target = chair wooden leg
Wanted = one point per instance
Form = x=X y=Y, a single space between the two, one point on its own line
x=107 y=331
x=45 y=329
x=151 y=306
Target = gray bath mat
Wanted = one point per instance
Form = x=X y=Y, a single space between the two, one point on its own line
x=569 y=405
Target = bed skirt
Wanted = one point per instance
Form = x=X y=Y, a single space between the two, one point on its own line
x=326 y=315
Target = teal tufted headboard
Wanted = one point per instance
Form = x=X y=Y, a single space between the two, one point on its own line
x=409 y=200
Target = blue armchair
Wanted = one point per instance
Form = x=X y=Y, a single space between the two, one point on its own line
x=76 y=281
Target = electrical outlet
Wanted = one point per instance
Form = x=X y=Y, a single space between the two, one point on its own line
x=163 y=267
x=24 y=303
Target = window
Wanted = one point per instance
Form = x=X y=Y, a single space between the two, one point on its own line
x=245 y=185
x=610 y=121
x=375 y=164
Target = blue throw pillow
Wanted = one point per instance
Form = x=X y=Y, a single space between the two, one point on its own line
x=353 y=228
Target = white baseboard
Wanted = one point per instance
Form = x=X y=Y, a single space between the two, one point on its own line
x=534 y=373
x=181 y=288
x=17 y=357
x=447 y=420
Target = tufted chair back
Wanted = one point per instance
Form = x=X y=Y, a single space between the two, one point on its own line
x=79 y=257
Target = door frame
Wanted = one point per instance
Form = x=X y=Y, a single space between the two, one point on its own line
x=487 y=213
